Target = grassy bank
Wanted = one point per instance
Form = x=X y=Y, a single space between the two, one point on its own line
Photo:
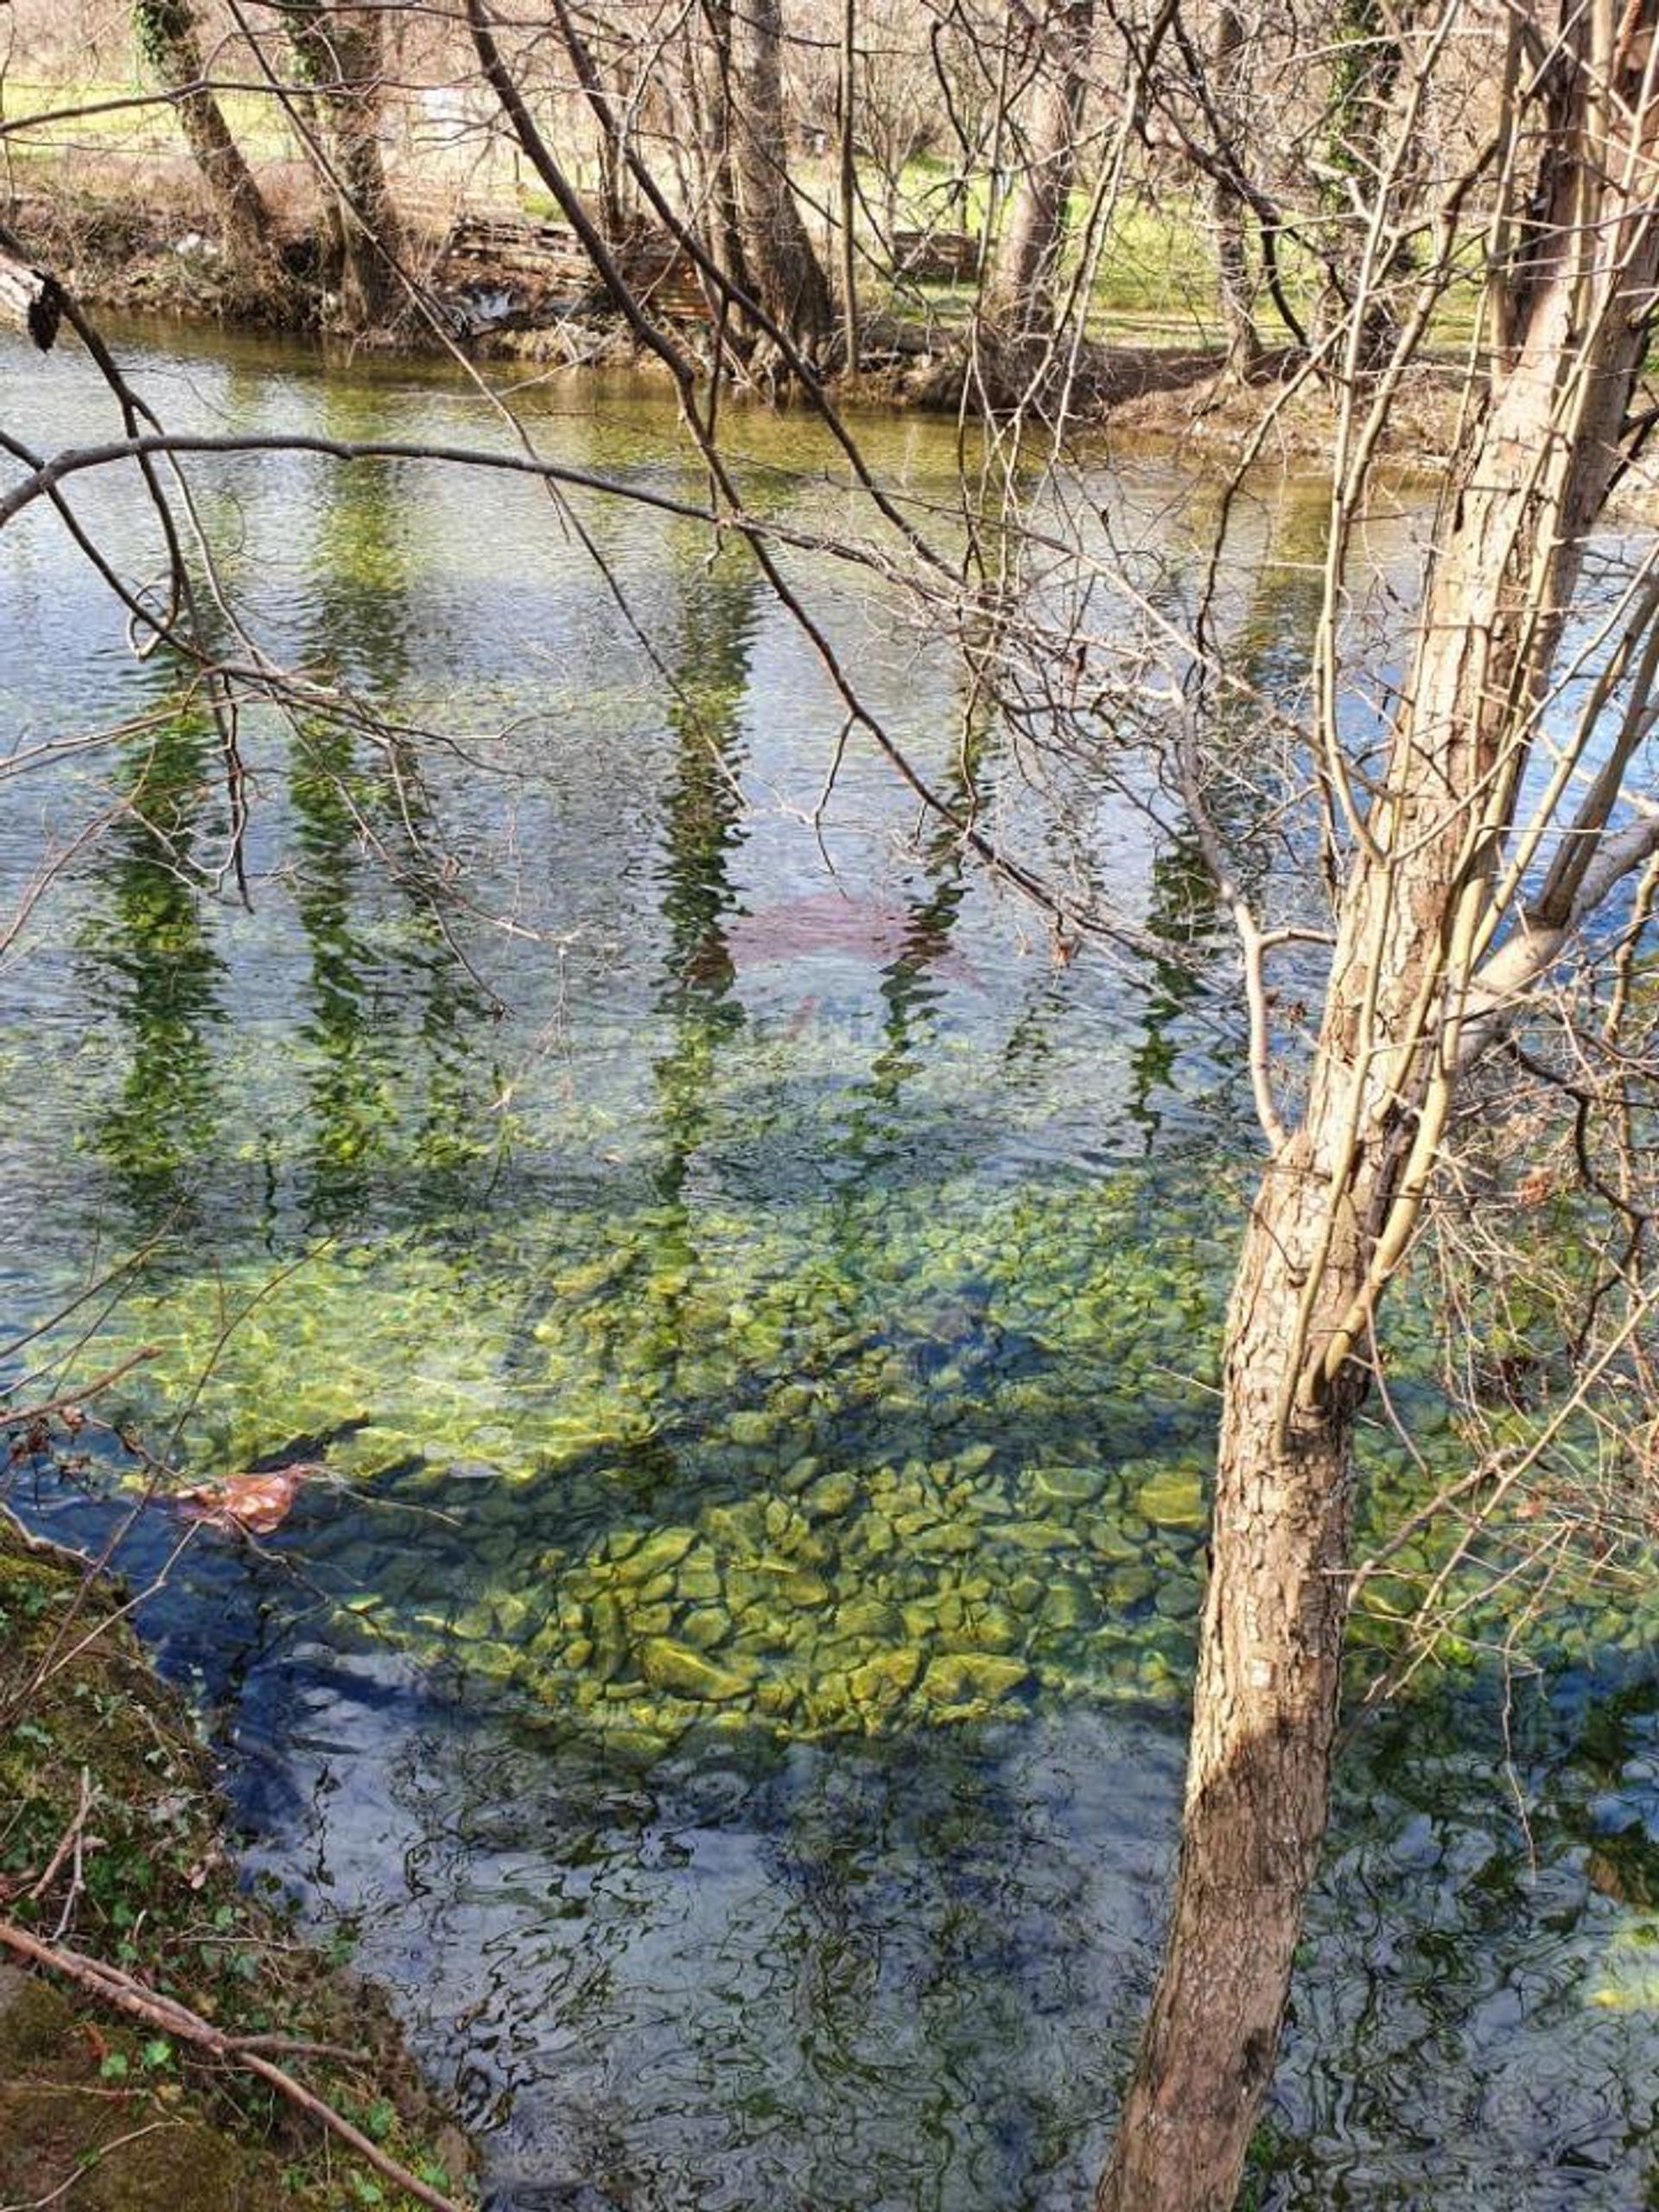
x=112 y=1849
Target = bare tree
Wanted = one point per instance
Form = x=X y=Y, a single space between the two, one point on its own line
x=1416 y=989
x=1476 y=831
x=782 y=264
x=339 y=51
x=1235 y=292
x=1019 y=291
x=170 y=38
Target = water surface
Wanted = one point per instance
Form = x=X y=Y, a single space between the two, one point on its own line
x=758 y=1308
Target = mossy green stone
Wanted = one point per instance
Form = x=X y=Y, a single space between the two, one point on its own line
x=658 y=1553
x=1068 y=1485
x=1069 y=1605
x=706 y=1627
x=831 y=1497
x=1174 y=1498
x=1026 y=1593
x=967 y=1677
x=990 y=1628
x=886 y=1678
x=510 y=1613
x=868 y=1620
x=741 y=1527
x=1037 y=1536
x=688 y=1673
x=802 y=1587
x=1128 y=1585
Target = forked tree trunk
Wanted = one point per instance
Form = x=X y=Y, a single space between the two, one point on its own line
x=1020 y=297
x=165 y=31
x=783 y=267
x=1334 y=1206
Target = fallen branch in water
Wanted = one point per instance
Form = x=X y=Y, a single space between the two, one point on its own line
x=112 y=1986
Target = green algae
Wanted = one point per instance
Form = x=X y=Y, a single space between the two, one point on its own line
x=746 y=1485
x=595 y=1529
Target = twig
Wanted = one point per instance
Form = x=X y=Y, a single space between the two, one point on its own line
x=112 y=1986
x=22 y=1415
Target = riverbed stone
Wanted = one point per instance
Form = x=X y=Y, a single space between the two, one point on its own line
x=705 y=1627
x=831 y=1496
x=739 y=1528
x=657 y=1555
x=1069 y=1606
x=1174 y=1498
x=668 y=1665
x=966 y=1677
x=1067 y=1485
x=885 y=1679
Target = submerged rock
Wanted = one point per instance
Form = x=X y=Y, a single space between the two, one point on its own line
x=667 y=1665
x=966 y=1677
x=1174 y=1498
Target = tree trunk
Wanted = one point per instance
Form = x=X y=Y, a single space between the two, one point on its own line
x=340 y=52
x=1334 y=1215
x=715 y=143
x=1233 y=286
x=786 y=274
x=1020 y=297
x=165 y=31
x=848 y=121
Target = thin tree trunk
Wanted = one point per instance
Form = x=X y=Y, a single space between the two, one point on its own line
x=167 y=34
x=1335 y=1210
x=1020 y=297
x=785 y=270
x=1234 y=288
x=728 y=225
x=850 y=180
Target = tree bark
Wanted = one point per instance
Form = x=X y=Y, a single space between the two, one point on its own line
x=785 y=270
x=340 y=54
x=167 y=34
x=1020 y=297
x=1336 y=1208
x=713 y=115
x=848 y=121
x=1233 y=286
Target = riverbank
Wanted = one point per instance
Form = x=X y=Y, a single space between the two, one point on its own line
x=128 y=254
x=115 y=1860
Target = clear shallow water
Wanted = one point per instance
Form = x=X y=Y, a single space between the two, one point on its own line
x=760 y=1319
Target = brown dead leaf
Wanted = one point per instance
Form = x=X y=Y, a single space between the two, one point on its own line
x=259 y=1503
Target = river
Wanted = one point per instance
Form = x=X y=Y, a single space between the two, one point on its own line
x=756 y=1308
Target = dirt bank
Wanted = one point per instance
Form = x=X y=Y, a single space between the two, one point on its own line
x=113 y=1850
